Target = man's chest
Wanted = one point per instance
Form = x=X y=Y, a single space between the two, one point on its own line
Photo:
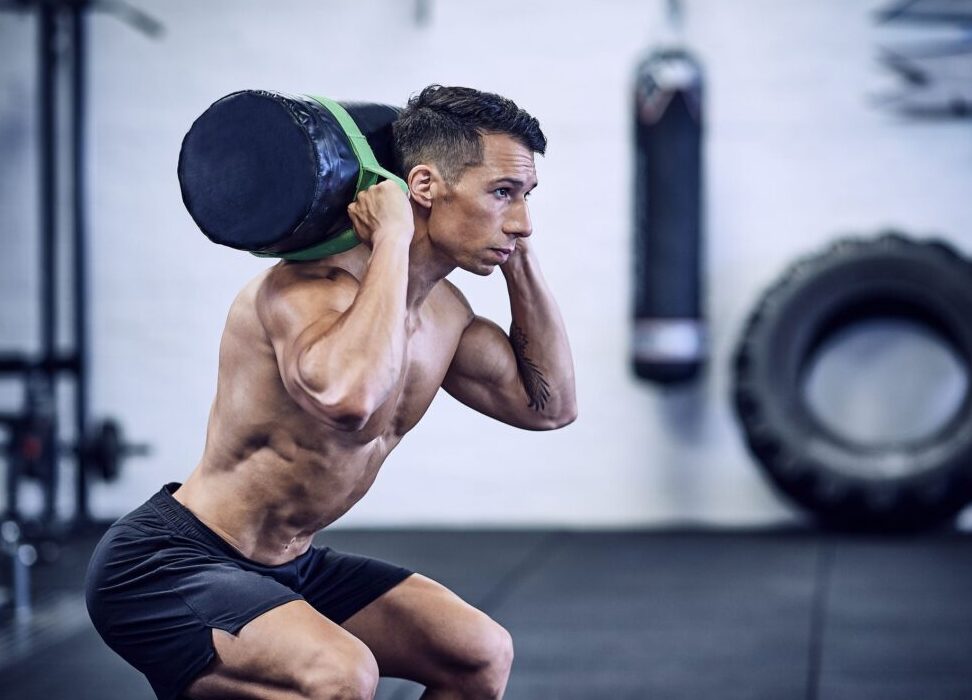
x=428 y=355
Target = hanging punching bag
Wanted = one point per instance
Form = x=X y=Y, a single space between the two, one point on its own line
x=669 y=339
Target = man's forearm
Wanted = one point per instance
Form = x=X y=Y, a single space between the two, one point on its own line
x=539 y=340
x=359 y=360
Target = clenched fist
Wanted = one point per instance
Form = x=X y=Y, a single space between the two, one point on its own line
x=382 y=211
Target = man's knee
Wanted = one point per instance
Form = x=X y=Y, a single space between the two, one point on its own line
x=497 y=669
x=345 y=672
x=487 y=658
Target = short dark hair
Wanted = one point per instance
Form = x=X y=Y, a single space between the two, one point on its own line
x=445 y=125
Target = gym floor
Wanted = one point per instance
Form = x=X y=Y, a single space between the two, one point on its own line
x=650 y=614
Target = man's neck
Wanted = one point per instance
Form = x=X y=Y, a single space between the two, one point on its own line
x=426 y=268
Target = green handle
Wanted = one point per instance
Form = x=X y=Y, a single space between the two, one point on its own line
x=371 y=169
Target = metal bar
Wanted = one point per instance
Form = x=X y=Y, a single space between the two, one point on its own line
x=23 y=558
x=20 y=364
x=47 y=171
x=80 y=277
x=48 y=22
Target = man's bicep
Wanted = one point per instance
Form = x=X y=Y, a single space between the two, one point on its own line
x=483 y=374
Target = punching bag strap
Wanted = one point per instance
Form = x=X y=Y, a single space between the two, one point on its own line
x=369 y=172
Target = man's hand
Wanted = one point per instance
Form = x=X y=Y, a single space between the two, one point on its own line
x=382 y=211
x=520 y=253
x=340 y=342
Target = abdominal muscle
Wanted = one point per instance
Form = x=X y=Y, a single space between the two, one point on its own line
x=270 y=504
x=272 y=475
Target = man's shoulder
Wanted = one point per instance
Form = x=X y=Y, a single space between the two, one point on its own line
x=292 y=290
x=316 y=274
x=287 y=280
x=455 y=301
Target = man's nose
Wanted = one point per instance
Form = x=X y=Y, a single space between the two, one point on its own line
x=518 y=223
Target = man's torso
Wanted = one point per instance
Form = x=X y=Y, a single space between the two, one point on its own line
x=272 y=474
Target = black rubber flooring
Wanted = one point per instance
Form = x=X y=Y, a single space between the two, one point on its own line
x=656 y=614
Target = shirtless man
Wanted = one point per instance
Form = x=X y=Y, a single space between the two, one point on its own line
x=213 y=588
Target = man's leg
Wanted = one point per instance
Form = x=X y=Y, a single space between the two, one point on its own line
x=424 y=632
x=289 y=653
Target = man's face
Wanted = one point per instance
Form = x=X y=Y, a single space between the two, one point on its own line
x=478 y=220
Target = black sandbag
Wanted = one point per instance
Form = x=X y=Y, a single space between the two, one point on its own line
x=272 y=173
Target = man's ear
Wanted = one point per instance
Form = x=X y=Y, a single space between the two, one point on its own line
x=421 y=184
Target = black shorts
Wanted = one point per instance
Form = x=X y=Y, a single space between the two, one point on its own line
x=159 y=582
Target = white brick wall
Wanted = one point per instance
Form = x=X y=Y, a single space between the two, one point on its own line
x=795 y=155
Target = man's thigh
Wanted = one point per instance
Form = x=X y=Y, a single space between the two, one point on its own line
x=290 y=651
x=422 y=631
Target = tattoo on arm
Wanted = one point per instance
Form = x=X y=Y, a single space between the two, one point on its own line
x=536 y=386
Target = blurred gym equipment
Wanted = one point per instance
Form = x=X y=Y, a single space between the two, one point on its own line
x=34 y=444
x=886 y=484
x=669 y=339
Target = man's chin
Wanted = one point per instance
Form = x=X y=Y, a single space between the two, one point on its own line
x=482 y=269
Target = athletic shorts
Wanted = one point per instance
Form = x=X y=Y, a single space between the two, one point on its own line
x=159 y=582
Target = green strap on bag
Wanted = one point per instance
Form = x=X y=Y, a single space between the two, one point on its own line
x=369 y=172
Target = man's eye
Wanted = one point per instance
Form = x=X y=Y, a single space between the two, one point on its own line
x=502 y=192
